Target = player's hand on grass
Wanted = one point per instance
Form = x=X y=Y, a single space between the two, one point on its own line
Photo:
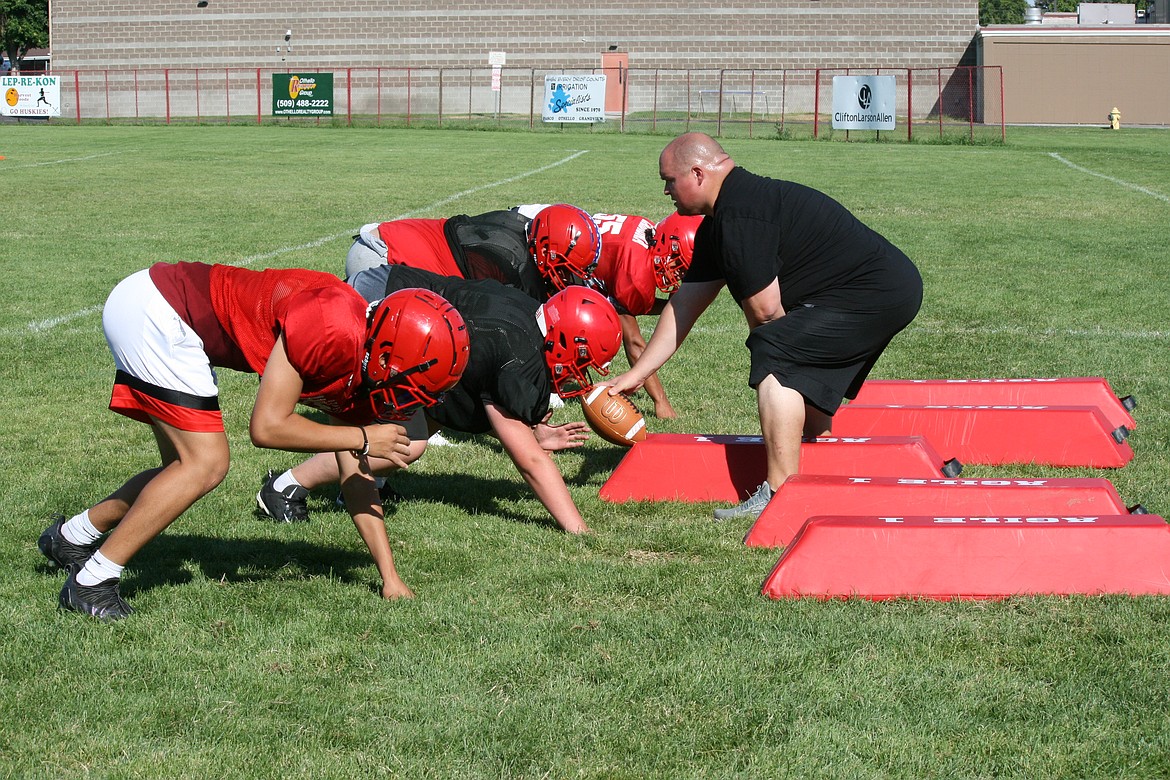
x=396 y=589
x=664 y=411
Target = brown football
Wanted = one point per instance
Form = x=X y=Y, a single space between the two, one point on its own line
x=613 y=417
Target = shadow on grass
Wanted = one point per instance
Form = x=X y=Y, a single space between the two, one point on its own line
x=599 y=464
x=168 y=559
x=473 y=495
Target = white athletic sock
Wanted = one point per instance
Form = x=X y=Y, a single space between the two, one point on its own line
x=97 y=569
x=285 y=480
x=79 y=530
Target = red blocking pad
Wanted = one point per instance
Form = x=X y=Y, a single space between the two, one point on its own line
x=807 y=495
x=1058 y=391
x=996 y=434
x=693 y=467
x=974 y=557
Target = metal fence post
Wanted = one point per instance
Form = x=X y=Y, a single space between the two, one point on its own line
x=938 y=77
x=909 y=104
x=719 y=106
x=816 y=103
x=970 y=103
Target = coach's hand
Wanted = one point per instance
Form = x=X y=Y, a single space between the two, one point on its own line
x=626 y=383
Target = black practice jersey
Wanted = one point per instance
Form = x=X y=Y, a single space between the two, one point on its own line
x=506 y=364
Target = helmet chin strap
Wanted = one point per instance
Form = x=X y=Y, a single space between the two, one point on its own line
x=416 y=369
x=372 y=385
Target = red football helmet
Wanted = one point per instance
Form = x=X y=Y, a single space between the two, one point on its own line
x=565 y=245
x=583 y=332
x=673 y=247
x=416 y=349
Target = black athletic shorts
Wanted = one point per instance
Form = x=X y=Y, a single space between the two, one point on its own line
x=416 y=425
x=824 y=353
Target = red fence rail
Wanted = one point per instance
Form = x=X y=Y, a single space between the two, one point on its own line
x=966 y=100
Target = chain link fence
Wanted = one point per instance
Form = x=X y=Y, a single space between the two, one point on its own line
x=964 y=102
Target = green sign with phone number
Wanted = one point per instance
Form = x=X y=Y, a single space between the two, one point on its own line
x=302 y=94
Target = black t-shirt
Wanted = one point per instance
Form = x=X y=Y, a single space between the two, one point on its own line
x=506 y=365
x=763 y=229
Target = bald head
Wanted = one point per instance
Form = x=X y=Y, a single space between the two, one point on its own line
x=692 y=168
x=696 y=149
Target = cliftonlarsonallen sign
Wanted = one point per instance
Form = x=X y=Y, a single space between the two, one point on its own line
x=863 y=102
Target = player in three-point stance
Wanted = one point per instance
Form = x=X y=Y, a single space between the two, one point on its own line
x=538 y=251
x=639 y=260
x=312 y=339
x=521 y=351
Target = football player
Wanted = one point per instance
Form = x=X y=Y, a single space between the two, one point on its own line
x=538 y=253
x=521 y=350
x=313 y=340
x=638 y=261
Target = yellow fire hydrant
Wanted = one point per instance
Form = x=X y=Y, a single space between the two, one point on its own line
x=1115 y=119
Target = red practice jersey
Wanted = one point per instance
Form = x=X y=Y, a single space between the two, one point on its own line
x=625 y=267
x=419 y=243
x=238 y=312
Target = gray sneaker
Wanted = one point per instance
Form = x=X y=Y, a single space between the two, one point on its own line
x=752 y=507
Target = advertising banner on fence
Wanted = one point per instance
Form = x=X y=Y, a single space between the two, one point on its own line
x=570 y=98
x=864 y=102
x=302 y=94
x=31 y=96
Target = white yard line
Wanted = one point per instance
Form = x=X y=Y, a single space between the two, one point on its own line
x=41 y=326
x=1019 y=330
x=1118 y=182
x=1006 y=330
x=63 y=160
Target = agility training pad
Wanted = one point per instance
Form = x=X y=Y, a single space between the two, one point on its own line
x=803 y=496
x=695 y=468
x=974 y=557
x=998 y=434
x=1060 y=391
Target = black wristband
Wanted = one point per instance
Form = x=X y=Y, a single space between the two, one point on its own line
x=365 y=450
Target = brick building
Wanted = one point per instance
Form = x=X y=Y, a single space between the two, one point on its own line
x=684 y=34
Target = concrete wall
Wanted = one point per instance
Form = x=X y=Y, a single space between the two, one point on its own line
x=123 y=34
x=1078 y=75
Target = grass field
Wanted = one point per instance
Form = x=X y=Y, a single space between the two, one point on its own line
x=643 y=650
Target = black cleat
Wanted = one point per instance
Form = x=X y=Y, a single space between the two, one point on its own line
x=386 y=493
x=62 y=552
x=287 y=506
x=101 y=601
